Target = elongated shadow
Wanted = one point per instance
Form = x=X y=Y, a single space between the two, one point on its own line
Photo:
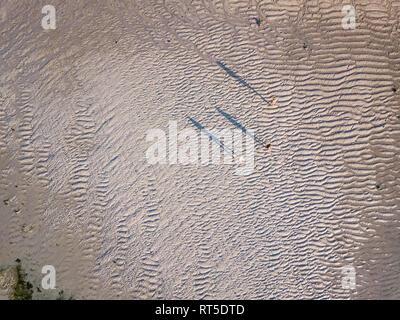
x=212 y=137
x=238 y=125
x=238 y=78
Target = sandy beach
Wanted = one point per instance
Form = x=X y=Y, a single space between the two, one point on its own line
x=82 y=104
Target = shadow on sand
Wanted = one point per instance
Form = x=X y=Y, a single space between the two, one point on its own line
x=213 y=138
x=238 y=78
x=239 y=126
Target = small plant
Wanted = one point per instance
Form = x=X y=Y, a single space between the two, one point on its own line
x=22 y=288
x=62 y=297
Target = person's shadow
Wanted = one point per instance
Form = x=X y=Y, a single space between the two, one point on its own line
x=238 y=78
x=241 y=127
x=212 y=137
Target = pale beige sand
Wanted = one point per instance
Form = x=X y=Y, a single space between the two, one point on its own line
x=75 y=106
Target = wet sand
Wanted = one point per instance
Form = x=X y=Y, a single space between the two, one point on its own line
x=77 y=191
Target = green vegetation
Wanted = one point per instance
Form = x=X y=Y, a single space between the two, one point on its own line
x=22 y=288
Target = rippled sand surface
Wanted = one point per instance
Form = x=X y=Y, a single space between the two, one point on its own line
x=78 y=192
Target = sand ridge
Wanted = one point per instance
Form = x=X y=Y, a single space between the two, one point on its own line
x=76 y=103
